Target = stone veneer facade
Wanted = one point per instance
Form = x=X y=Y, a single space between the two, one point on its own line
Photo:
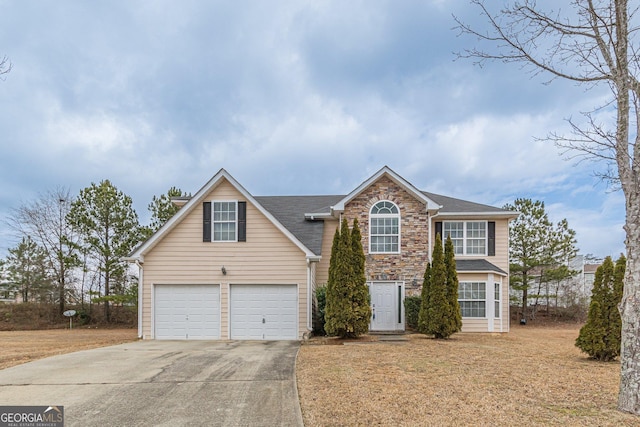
x=410 y=263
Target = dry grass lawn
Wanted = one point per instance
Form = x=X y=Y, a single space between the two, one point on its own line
x=531 y=376
x=24 y=346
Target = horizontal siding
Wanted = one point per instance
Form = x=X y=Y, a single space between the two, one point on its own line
x=267 y=257
x=322 y=270
x=474 y=325
x=481 y=325
x=502 y=245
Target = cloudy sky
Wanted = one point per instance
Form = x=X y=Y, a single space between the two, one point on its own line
x=290 y=97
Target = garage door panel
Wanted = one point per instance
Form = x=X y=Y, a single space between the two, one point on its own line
x=264 y=312
x=187 y=311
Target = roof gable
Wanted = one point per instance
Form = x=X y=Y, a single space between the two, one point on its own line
x=430 y=204
x=196 y=201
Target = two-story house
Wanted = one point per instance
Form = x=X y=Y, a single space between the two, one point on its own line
x=231 y=265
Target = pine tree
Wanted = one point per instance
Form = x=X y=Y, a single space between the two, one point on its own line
x=105 y=220
x=455 y=316
x=600 y=337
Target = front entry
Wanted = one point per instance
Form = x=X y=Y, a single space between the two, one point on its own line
x=387 y=306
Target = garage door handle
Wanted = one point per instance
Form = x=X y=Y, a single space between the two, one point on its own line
x=263 y=321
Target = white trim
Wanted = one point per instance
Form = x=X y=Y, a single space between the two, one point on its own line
x=386 y=171
x=382 y=216
x=317 y=216
x=490 y=311
x=140 y=297
x=196 y=200
x=486 y=300
x=481 y=272
x=153 y=312
x=484 y=215
x=465 y=237
x=213 y=203
x=309 y=296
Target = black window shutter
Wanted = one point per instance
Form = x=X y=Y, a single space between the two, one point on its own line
x=206 y=221
x=439 y=228
x=242 y=221
x=491 y=242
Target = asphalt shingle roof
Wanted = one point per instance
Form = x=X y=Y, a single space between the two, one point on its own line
x=290 y=210
x=450 y=204
x=477 y=265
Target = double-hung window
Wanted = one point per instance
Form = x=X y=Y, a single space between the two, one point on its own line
x=468 y=237
x=472 y=297
x=224 y=221
x=384 y=228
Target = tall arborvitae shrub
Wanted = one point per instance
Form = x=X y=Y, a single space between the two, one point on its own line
x=347 y=312
x=452 y=287
x=321 y=305
x=423 y=314
x=600 y=337
x=336 y=297
x=618 y=288
x=438 y=310
x=360 y=298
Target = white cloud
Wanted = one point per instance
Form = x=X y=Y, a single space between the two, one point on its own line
x=290 y=97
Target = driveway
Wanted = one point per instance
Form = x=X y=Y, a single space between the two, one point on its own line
x=164 y=383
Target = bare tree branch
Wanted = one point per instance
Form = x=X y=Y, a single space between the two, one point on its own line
x=595 y=44
x=5 y=66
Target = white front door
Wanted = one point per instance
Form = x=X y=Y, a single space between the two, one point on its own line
x=387 y=311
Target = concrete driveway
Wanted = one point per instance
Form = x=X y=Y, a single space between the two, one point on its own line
x=164 y=383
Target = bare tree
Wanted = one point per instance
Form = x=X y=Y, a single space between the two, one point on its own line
x=592 y=42
x=44 y=220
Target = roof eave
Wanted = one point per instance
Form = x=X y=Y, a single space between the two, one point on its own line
x=197 y=199
x=505 y=214
x=430 y=204
x=320 y=215
x=498 y=272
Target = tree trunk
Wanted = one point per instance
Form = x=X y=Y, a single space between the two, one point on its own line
x=629 y=396
x=525 y=295
x=107 y=312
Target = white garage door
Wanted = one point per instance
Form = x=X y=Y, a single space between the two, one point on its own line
x=187 y=312
x=264 y=312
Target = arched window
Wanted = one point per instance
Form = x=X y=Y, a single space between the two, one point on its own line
x=384 y=228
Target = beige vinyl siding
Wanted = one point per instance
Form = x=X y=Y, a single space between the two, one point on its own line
x=482 y=325
x=502 y=245
x=267 y=257
x=322 y=270
x=500 y=260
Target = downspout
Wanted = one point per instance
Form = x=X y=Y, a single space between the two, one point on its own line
x=140 y=291
x=431 y=224
x=309 y=299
